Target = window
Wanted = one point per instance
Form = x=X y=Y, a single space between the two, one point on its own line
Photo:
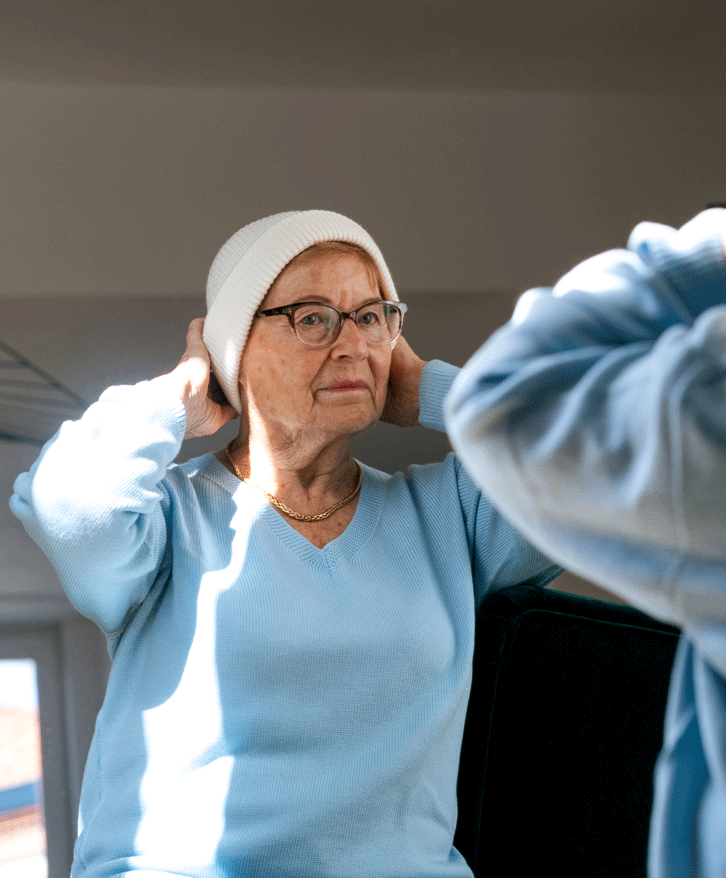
x=22 y=824
x=36 y=823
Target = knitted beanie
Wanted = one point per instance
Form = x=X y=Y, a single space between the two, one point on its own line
x=247 y=266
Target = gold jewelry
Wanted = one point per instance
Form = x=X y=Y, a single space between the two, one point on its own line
x=298 y=516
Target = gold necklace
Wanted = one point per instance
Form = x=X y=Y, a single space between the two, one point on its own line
x=298 y=516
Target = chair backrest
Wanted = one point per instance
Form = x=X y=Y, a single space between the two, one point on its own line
x=563 y=729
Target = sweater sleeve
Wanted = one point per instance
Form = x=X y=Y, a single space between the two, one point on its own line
x=596 y=421
x=500 y=555
x=95 y=501
x=436 y=380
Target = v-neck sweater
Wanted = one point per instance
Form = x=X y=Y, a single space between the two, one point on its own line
x=273 y=709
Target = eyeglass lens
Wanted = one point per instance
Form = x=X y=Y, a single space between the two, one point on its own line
x=379 y=323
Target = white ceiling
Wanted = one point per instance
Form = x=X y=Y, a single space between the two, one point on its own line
x=619 y=46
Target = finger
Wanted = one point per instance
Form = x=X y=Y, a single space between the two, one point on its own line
x=194 y=333
x=195 y=347
x=403 y=349
x=223 y=412
x=227 y=414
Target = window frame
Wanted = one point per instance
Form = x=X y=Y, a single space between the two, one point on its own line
x=42 y=645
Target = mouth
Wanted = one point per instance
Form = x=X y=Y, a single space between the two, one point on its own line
x=346 y=386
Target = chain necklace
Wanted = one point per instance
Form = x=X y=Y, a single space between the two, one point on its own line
x=298 y=516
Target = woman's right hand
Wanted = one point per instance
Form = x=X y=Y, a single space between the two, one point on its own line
x=194 y=382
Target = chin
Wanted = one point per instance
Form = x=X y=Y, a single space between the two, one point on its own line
x=351 y=423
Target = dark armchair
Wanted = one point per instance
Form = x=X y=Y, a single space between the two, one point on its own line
x=563 y=730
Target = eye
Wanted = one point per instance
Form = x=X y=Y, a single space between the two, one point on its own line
x=313 y=316
x=370 y=317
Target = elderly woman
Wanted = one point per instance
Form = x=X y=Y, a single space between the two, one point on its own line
x=291 y=631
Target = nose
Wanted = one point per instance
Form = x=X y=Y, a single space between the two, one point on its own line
x=350 y=340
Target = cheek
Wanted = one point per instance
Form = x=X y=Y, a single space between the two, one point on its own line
x=262 y=380
x=275 y=383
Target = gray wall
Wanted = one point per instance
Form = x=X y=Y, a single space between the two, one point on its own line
x=131 y=191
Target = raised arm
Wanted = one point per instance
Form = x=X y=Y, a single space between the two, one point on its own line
x=499 y=555
x=596 y=421
x=95 y=500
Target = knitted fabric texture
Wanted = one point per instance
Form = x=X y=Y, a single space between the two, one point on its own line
x=274 y=710
x=596 y=424
x=247 y=266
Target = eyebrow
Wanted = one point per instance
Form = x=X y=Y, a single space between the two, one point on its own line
x=322 y=300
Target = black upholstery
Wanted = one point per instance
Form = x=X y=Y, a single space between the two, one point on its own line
x=563 y=730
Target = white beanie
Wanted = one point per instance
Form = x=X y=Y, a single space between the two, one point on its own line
x=247 y=266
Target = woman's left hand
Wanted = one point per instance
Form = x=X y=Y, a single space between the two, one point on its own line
x=401 y=406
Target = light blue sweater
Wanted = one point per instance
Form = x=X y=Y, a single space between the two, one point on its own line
x=596 y=421
x=273 y=709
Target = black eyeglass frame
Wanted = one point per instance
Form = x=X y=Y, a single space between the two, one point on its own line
x=289 y=312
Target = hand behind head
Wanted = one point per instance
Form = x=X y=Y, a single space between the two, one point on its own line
x=193 y=382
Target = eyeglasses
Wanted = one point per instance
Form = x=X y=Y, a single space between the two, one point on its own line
x=317 y=325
